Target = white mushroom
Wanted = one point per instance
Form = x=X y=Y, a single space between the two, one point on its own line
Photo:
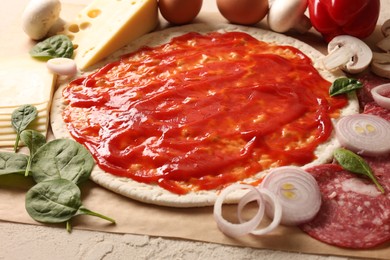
x=39 y=16
x=380 y=64
x=284 y=15
x=347 y=53
x=385 y=43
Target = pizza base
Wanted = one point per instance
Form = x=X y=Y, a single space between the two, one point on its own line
x=154 y=194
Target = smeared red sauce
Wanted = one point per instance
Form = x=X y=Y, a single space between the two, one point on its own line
x=202 y=111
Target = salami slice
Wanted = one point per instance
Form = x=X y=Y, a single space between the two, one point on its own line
x=374 y=109
x=354 y=214
x=369 y=81
x=381 y=167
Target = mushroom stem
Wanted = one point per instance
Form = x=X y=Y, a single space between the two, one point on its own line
x=347 y=53
x=337 y=58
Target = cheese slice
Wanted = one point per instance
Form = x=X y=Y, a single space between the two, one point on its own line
x=105 y=26
x=24 y=81
x=7 y=110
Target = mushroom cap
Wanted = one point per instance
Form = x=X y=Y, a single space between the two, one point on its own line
x=39 y=16
x=354 y=55
x=386 y=28
x=384 y=44
x=284 y=15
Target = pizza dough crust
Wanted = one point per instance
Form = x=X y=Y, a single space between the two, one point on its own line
x=154 y=194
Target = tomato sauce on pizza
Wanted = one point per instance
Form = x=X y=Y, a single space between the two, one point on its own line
x=202 y=111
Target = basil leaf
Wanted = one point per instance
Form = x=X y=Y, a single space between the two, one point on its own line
x=53 y=201
x=344 y=85
x=21 y=118
x=62 y=158
x=57 y=201
x=356 y=164
x=33 y=140
x=57 y=46
x=11 y=163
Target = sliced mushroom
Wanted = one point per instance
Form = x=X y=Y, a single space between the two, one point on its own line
x=386 y=28
x=284 y=15
x=347 y=53
x=385 y=43
x=380 y=64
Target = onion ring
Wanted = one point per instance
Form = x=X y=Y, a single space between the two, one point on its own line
x=288 y=195
x=297 y=192
x=381 y=95
x=239 y=229
x=272 y=202
x=364 y=134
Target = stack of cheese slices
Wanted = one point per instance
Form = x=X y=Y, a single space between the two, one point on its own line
x=24 y=81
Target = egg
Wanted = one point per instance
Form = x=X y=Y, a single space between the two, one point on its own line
x=245 y=12
x=179 y=11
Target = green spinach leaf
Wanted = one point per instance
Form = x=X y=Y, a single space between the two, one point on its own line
x=33 y=140
x=62 y=158
x=57 y=46
x=21 y=118
x=344 y=85
x=11 y=163
x=56 y=201
x=356 y=164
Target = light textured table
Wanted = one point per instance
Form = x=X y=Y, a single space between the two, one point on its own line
x=22 y=242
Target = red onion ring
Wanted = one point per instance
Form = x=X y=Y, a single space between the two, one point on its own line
x=381 y=95
x=297 y=192
x=364 y=134
x=239 y=229
x=289 y=195
x=272 y=203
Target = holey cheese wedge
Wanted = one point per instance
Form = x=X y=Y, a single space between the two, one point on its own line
x=24 y=81
x=104 y=26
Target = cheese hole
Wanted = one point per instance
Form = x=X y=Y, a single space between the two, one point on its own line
x=74 y=28
x=94 y=13
x=85 y=25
